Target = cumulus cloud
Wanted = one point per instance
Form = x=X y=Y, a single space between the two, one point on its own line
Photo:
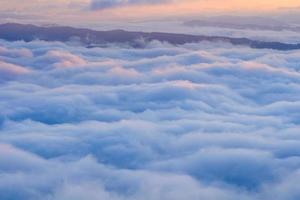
x=196 y=121
x=9 y=71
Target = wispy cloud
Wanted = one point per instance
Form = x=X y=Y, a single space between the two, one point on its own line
x=105 y=4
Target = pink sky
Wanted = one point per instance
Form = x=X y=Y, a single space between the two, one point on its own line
x=71 y=11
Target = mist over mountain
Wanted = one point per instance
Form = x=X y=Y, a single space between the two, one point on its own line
x=243 y=22
x=92 y=38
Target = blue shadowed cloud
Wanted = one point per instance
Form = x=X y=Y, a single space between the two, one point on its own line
x=106 y=4
x=195 y=121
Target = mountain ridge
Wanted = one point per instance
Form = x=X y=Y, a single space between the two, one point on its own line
x=93 y=38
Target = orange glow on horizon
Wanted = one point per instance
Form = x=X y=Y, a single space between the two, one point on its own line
x=77 y=11
x=196 y=7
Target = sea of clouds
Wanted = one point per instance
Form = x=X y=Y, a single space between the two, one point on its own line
x=198 y=121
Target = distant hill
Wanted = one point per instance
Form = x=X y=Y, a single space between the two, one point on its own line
x=92 y=38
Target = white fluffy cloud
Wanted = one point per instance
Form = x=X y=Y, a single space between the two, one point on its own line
x=197 y=121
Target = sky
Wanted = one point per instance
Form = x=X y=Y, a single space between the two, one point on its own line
x=97 y=12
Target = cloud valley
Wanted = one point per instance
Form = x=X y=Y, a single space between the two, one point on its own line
x=194 y=121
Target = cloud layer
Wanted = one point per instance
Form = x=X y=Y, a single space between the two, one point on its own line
x=197 y=121
x=105 y=4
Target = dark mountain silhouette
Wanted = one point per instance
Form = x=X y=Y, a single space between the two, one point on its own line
x=92 y=38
